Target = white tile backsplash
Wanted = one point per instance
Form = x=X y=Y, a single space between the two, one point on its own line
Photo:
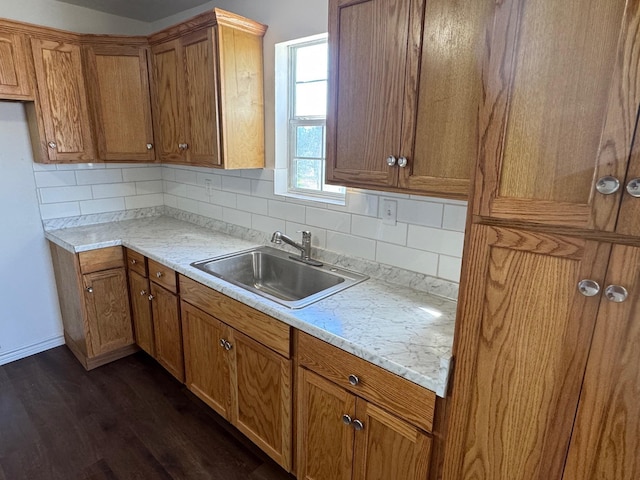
x=427 y=237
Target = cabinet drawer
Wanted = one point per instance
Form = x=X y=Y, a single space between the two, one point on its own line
x=263 y=328
x=162 y=275
x=404 y=398
x=101 y=259
x=136 y=262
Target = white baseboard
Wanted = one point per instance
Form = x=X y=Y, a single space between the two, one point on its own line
x=32 y=349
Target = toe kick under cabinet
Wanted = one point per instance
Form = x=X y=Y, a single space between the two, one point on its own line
x=94 y=303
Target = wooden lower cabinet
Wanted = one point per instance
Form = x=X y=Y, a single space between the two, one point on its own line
x=344 y=437
x=141 y=312
x=94 y=303
x=167 y=330
x=241 y=379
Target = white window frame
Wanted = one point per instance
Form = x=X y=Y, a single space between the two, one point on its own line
x=286 y=123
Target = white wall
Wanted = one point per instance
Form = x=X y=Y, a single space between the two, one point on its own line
x=29 y=312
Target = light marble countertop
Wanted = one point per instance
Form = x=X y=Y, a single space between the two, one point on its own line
x=405 y=331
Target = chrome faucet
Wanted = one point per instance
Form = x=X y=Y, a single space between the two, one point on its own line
x=305 y=247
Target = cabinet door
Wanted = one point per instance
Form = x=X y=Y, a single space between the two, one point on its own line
x=107 y=304
x=440 y=120
x=325 y=442
x=206 y=359
x=14 y=68
x=388 y=447
x=368 y=61
x=522 y=341
x=559 y=110
x=261 y=397
x=168 y=118
x=63 y=116
x=167 y=330
x=606 y=441
x=201 y=99
x=141 y=310
x=121 y=103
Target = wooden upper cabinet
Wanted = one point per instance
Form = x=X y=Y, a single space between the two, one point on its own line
x=605 y=442
x=207 y=92
x=15 y=67
x=523 y=337
x=118 y=81
x=559 y=111
x=404 y=87
x=61 y=113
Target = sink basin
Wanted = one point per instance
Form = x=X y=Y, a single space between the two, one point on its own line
x=273 y=274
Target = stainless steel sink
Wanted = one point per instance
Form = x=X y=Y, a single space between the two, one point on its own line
x=273 y=274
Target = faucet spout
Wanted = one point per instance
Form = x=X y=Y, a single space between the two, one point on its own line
x=305 y=247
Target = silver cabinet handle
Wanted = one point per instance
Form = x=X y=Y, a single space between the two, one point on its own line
x=143 y=293
x=183 y=146
x=89 y=289
x=391 y=160
x=149 y=146
x=346 y=419
x=354 y=380
x=607 y=185
x=358 y=425
x=588 y=288
x=616 y=293
x=402 y=162
x=151 y=297
x=227 y=346
x=158 y=274
x=133 y=261
x=633 y=187
x=222 y=342
x=52 y=145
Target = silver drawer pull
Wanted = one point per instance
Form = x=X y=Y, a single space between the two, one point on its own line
x=354 y=380
x=588 y=288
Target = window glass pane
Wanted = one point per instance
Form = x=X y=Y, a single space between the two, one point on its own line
x=311 y=99
x=309 y=142
x=308 y=174
x=311 y=63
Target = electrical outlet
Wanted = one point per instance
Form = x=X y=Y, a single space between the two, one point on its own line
x=389 y=212
x=208 y=185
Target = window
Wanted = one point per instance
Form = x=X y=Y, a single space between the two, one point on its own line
x=301 y=106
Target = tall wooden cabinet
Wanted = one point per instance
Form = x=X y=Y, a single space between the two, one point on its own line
x=545 y=351
x=15 y=66
x=207 y=92
x=404 y=94
x=60 y=113
x=118 y=82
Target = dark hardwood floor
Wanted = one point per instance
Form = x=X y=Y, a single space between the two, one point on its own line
x=126 y=420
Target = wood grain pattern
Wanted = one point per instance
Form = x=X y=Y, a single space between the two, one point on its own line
x=107 y=307
x=206 y=362
x=325 y=443
x=118 y=81
x=408 y=400
x=163 y=275
x=241 y=97
x=139 y=292
x=167 y=330
x=101 y=259
x=15 y=67
x=136 y=262
x=522 y=341
x=554 y=118
x=606 y=441
x=261 y=397
x=440 y=122
x=63 y=114
x=368 y=57
x=201 y=98
x=389 y=447
x=263 y=328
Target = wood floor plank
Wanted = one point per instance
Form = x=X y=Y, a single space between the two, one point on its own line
x=126 y=420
